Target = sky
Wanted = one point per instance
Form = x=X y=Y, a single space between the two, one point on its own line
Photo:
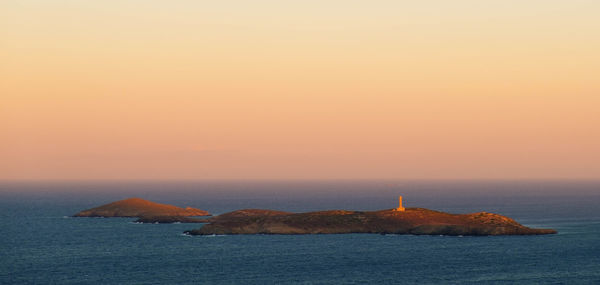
x=190 y=89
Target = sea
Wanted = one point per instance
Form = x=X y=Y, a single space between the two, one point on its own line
x=42 y=244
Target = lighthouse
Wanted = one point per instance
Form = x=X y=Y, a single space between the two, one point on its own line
x=400 y=208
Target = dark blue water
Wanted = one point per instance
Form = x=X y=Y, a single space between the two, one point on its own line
x=40 y=245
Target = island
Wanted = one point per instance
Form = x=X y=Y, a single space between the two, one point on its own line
x=145 y=210
x=415 y=221
x=400 y=220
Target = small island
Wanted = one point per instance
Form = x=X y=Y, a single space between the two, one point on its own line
x=416 y=221
x=145 y=210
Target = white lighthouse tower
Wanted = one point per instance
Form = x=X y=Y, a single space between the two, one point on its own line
x=400 y=208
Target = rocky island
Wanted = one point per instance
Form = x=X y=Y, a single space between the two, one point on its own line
x=416 y=221
x=145 y=210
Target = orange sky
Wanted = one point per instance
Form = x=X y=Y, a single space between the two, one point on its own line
x=299 y=89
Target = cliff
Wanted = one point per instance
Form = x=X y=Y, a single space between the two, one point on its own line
x=136 y=207
x=417 y=221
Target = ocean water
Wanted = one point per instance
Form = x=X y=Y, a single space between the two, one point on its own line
x=41 y=244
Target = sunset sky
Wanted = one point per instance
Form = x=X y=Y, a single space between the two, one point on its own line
x=445 y=89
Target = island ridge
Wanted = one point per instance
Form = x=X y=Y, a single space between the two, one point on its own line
x=137 y=207
x=417 y=221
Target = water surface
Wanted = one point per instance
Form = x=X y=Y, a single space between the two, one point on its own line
x=42 y=245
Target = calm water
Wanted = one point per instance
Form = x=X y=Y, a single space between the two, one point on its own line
x=41 y=245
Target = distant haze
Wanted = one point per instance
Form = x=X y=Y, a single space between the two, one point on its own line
x=299 y=89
